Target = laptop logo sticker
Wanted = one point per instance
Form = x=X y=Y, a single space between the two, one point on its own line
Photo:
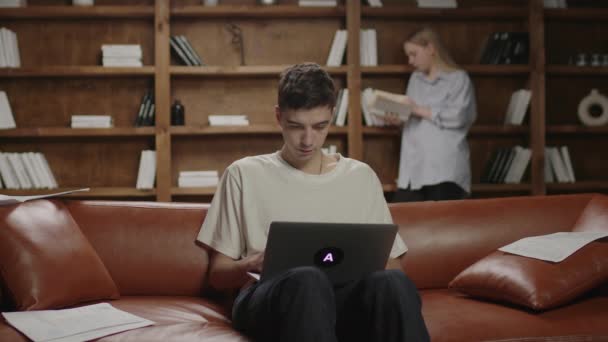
x=328 y=257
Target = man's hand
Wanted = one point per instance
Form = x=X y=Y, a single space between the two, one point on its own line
x=254 y=263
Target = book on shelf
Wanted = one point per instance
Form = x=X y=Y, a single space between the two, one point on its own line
x=555 y=3
x=558 y=165
x=228 y=120
x=318 y=3
x=382 y=102
x=7 y=120
x=368 y=47
x=91 y=121
x=341 y=108
x=121 y=55
x=506 y=48
x=147 y=111
x=181 y=47
x=507 y=165
x=146 y=174
x=437 y=3
x=518 y=107
x=374 y=3
x=26 y=170
x=9 y=49
x=338 y=48
x=13 y=3
x=198 y=179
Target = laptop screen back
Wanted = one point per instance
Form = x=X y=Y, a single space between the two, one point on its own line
x=345 y=251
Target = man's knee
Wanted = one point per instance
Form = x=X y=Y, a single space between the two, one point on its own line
x=393 y=282
x=307 y=278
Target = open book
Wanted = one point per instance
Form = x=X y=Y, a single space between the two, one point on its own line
x=382 y=102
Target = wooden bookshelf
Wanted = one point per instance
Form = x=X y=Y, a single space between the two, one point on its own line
x=61 y=76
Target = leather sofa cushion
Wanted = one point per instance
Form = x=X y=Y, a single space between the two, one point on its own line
x=533 y=283
x=452 y=316
x=45 y=260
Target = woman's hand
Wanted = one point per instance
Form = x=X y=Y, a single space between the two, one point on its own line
x=391 y=119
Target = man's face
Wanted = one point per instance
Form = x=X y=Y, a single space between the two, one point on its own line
x=304 y=131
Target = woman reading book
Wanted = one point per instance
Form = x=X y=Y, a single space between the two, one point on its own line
x=434 y=162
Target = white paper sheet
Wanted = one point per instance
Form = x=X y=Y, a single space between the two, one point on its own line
x=8 y=200
x=73 y=325
x=553 y=247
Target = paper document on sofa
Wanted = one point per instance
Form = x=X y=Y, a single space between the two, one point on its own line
x=553 y=247
x=8 y=200
x=72 y=325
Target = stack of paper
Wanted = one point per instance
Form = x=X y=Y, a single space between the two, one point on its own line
x=318 y=3
x=121 y=55
x=438 y=3
x=79 y=324
x=198 y=179
x=91 y=121
x=13 y=3
x=228 y=120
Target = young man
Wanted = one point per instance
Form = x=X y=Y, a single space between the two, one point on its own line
x=301 y=183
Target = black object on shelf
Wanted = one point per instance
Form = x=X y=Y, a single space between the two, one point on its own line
x=177 y=114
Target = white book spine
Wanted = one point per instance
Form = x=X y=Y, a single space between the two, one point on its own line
x=568 y=163
x=7 y=172
x=341 y=118
x=7 y=120
x=46 y=178
x=49 y=171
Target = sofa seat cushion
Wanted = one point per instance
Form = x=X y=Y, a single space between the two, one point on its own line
x=452 y=316
x=176 y=318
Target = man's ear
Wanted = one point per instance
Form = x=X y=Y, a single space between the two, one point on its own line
x=277 y=114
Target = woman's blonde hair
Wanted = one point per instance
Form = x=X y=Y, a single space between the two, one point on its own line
x=426 y=36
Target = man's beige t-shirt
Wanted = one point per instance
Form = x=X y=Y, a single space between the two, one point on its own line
x=254 y=191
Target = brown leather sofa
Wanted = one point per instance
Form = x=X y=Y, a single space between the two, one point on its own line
x=149 y=251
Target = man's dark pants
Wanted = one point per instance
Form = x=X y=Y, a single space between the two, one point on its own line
x=302 y=305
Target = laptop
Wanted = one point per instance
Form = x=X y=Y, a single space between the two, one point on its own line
x=344 y=251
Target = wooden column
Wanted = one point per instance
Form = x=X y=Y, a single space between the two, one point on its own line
x=353 y=26
x=162 y=89
x=538 y=115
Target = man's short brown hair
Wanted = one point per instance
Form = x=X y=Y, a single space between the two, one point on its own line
x=305 y=86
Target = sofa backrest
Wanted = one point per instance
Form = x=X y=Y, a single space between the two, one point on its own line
x=148 y=248
x=446 y=237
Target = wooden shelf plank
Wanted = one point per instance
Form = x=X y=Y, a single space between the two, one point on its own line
x=576 y=14
x=108 y=192
x=504 y=130
x=576 y=129
x=584 y=186
x=475 y=69
x=573 y=70
x=480 y=188
x=77 y=71
x=251 y=129
x=43 y=132
x=410 y=12
x=500 y=188
x=245 y=11
x=241 y=71
x=77 y=12
x=208 y=191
